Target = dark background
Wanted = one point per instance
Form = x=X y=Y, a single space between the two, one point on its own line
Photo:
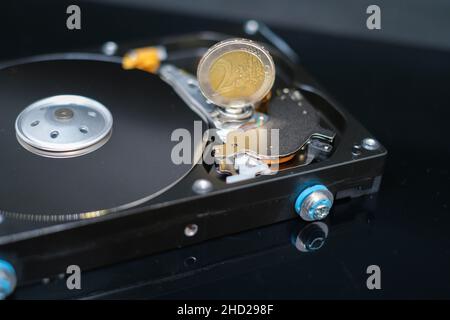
x=395 y=81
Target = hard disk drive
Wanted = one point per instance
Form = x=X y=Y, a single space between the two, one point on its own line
x=125 y=150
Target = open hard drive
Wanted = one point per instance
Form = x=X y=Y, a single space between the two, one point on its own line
x=118 y=152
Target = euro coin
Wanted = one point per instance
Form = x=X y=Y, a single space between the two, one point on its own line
x=235 y=73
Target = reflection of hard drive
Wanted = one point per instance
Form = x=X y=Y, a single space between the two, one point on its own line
x=88 y=171
x=254 y=251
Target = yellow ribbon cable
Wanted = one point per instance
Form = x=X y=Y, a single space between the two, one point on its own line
x=146 y=59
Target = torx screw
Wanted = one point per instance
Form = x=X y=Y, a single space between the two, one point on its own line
x=356 y=150
x=314 y=203
x=321 y=212
x=64 y=114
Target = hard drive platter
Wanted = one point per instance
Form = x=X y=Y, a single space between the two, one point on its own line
x=131 y=167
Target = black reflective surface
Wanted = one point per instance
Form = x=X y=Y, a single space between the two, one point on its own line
x=401 y=95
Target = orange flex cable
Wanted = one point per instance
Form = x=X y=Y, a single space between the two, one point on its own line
x=147 y=59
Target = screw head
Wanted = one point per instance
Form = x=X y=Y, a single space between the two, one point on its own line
x=314 y=203
x=370 y=144
x=8 y=279
x=191 y=230
x=202 y=186
x=321 y=212
x=251 y=27
x=109 y=48
x=64 y=114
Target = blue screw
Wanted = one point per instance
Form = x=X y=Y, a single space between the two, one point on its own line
x=8 y=279
x=314 y=203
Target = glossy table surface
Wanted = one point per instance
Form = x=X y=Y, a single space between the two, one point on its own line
x=401 y=94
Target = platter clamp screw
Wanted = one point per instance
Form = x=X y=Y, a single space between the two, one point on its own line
x=64 y=126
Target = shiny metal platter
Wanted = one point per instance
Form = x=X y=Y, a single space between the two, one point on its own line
x=91 y=167
x=64 y=126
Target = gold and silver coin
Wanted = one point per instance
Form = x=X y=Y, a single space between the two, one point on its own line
x=236 y=73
